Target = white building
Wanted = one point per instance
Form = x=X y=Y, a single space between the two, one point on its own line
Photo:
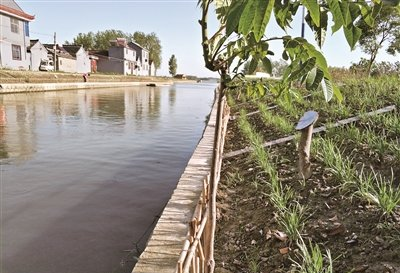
x=37 y=53
x=143 y=62
x=14 y=36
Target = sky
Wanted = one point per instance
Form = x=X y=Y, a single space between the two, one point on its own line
x=174 y=21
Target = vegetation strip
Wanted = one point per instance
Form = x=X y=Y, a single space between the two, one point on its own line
x=316 y=130
x=258 y=111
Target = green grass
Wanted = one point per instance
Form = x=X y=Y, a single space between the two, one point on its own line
x=340 y=166
x=292 y=220
x=311 y=260
x=278 y=122
x=379 y=190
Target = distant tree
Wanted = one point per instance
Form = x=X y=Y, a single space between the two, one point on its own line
x=386 y=30
x=99 y=40
x=172 y=65
x=87 y=40
x=152 y=43
x=377 y=69
x=103 y=38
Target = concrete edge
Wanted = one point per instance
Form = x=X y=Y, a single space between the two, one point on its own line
x=8 y=88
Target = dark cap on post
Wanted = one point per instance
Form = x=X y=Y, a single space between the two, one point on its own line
x=309 y=118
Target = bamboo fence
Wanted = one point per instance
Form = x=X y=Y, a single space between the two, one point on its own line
x=198 y=251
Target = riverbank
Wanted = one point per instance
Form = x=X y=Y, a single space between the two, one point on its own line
x=12 y=81
x=43 y=87
x=15 y=76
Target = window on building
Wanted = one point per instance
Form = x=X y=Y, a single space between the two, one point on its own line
x=16 y=52
x=14 y=25
x=26 y=25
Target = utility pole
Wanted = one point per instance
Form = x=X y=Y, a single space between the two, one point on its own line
x=55 y=54
x=302 y=24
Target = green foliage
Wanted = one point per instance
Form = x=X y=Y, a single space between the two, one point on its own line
x=244 y=23
x=86 y=40
x=312 y=260
x=376 y=69
x=103 y=38
x=385 y=30
x=172 y=65
x=380 y=191
x=292 y=220
x=99 y=40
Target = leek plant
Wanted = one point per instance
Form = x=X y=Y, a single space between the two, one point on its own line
x=311 y=259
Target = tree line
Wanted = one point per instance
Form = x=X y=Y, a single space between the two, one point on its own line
x=101 y=41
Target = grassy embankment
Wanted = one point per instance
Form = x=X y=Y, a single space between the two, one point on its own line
x=15 y=76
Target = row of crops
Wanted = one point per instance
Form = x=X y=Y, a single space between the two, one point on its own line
x=334 y=221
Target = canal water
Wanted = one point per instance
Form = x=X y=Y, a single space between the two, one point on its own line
x=86 y=173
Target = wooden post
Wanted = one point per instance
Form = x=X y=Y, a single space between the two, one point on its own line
x=306 y=125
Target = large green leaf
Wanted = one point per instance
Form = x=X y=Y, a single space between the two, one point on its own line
x=327 y=89
x=352 y=34
x=320 y=59
x=313 y=7
x=366 y=13
x=267 y=65
x=337 y=93
x=303 y=69
x=261 y=17
x=247 y=17
x=314 y=78
x=233 y=17
x=253 y=66
x=319 y=31
x=337 y=15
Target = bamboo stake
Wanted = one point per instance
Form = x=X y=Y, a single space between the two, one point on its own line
x=196 y=241
x=305 y=125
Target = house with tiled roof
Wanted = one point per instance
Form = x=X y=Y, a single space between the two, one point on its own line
x=14 y=36
x=37 y=52
x=82 y=57
x=142 y=58
x=119 y=59
x=64 y=62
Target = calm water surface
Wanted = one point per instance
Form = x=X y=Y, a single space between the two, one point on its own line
x=85 y=173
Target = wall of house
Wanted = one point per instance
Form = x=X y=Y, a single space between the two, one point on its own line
x=126 y=57
x=143 y=59
x=38 y=53
x=110 y=66
x=9 y=38
x=66 y=65
x=82 y=61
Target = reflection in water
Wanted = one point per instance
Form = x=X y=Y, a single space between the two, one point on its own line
x=20 y=113
x=86 y=172
x=172 y=97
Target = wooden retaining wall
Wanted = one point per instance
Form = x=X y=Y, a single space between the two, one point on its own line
x=182 y=240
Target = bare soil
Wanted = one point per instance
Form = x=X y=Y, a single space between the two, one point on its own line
x=359 y=237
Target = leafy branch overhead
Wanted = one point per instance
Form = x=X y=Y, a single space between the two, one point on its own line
x=242 y=36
